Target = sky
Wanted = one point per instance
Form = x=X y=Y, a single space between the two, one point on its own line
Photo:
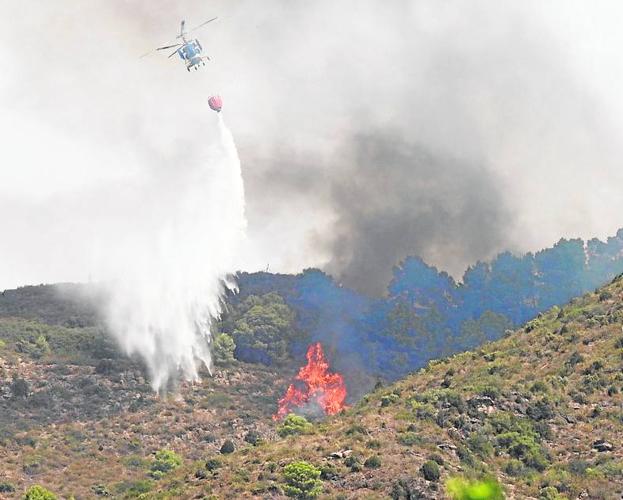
x=367 y=130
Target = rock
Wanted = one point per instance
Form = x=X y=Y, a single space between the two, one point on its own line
x=602 y=445
x=446 y=446
x=341 y=454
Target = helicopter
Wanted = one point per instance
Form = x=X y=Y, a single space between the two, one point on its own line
x=189 y=50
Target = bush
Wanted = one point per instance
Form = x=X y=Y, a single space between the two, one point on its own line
x=228 y=447
x=374 y=462
x=6 y=488
x=353 y=462
x=100 y=490
x=212 y=464
x=524 y=448
x=515 y=468
x=133 y=489
x=490 y=391
x=410 y=438
x=430 y=470
x=253 y=438
x=328 y=472
x=480 y=445
x=540 y=410
x=294 y=425
x=37 y=492
x=302 y=480
x=389 y=399
x=19 y=388
x=519 y=439
x=550 y=493
x=165 y=462
x=464 y=489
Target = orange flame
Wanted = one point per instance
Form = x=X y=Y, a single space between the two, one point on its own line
x=318 y=386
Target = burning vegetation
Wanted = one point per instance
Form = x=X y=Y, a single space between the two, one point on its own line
x=314 y=389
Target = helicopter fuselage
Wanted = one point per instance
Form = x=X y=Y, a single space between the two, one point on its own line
x=190 y=52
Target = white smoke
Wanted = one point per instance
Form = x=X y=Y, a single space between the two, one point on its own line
x=168 y=264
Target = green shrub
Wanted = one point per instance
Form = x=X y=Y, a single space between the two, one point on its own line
x=410 y=438
x=294 y=425
x=212 y=464
x=328 y=472
x=542 y=409
x=515 y=468
x=302 y=480
x=430 y=470
x=133 y=489
x=538 y=386
x=465 y=456
x=165 y=462
x=464 y=489
x=228 y=447
x=253 y=438
x=19 y=388
x=490 y=391
x=373 y=462
x=389 y=399
x=550 y=493
x=524 y=448
x=100 y=490
x=37 y=492
x=373 y=444
x=6 y=488
x=480 y=445
x=353 y=462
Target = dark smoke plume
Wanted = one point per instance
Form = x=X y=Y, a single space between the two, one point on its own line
x=395 y=198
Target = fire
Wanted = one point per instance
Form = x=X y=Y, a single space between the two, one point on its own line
x=314 y=384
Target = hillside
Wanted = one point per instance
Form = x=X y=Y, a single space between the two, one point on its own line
x=541 y=409
x=424 y=315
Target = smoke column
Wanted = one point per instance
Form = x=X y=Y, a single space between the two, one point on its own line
x=166 y=276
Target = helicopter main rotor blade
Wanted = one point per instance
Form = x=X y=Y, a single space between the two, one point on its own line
x=169 y=46
x=172 y=54
x=203 y=24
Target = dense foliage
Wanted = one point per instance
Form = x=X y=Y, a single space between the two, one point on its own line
x=426 y=314
x=165 y=461
x=302 y=480
x=262 y=328
x=37 y=492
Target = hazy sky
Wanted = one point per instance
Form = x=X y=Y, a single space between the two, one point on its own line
x=367 y=130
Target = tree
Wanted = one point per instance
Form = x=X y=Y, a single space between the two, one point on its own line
x=223 y=349
x=302 y=480
x=263 y=329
